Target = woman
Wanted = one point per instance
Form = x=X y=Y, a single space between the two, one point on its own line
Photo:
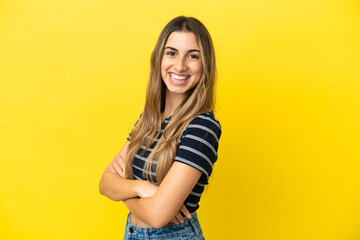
x=161 y=171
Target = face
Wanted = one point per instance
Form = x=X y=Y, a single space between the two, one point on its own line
x=181 y=66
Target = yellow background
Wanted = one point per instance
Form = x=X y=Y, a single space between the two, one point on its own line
x=73 y=77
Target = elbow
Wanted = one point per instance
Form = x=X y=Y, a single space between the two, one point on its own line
x=103 y=190
x=159 y=218
x=156 y=223
x=161 y=221
x=109 y=195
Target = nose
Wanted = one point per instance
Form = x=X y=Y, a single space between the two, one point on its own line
x=180 y=65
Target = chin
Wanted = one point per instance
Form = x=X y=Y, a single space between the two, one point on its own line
x=177 y=91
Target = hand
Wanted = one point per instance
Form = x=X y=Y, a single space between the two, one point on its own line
x=178 y=217
x=118 y=165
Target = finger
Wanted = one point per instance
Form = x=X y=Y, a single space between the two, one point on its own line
x=122 y=165
x=175 y=221
x=120 y=171
x=179 y=217
x=121 y=162
x=186 y=212
x=124 y=154
x=116 y=167
x=111 y=168
x=116 y=163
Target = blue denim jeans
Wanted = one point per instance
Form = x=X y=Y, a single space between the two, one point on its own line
x=188 y=230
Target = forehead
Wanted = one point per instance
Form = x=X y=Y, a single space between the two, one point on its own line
x=182 y=41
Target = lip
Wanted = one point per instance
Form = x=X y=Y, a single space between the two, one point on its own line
x=178 y=82
x=182 y=75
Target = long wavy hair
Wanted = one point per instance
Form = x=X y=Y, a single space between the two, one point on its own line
x=198 y=100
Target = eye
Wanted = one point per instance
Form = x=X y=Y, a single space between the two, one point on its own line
x=194 y=56
x=170 y=53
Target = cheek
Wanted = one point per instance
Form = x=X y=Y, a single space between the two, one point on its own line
x=198 y=69
x=197 y=65
x=163 y=68
x=199 y=72
x=162 y=65
x=165 y=63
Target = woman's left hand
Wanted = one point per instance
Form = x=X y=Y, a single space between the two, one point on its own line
x=178 y=217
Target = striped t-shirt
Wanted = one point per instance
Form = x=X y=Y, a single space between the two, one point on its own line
x=198 y=147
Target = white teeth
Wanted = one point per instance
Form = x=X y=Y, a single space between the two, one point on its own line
x=177 y=77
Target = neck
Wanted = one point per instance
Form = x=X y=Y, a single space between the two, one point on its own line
x=172 y=101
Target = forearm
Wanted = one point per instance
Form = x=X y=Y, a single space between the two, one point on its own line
x=145 y=210
x=150 y=211
x=117 y=188
x=159 y=209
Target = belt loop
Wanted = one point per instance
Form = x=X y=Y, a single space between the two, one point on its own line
x=146 y=234
x=193 y=220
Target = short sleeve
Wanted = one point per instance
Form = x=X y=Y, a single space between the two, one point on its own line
x=199 y=144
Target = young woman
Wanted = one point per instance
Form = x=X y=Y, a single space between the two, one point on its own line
x=162 y=169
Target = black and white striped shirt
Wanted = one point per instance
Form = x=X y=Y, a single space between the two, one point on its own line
x=198 y=147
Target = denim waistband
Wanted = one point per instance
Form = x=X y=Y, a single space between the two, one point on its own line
x=189 y=226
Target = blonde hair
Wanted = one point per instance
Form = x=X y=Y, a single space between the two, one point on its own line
x=200 y=99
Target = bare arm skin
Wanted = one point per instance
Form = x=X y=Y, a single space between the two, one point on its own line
x=158 y=210
x=115 y=186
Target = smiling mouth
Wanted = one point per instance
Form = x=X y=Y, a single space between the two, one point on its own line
x=179 y=77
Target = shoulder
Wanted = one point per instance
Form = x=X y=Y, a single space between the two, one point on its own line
x=205 y=122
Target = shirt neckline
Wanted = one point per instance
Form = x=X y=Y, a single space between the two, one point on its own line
x=168 y=118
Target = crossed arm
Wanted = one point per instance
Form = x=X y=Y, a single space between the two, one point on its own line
x=156 y=206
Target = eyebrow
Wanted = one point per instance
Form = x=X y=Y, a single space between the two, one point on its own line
x=190 y=50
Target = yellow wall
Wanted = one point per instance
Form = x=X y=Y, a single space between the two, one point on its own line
x=73 y=77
